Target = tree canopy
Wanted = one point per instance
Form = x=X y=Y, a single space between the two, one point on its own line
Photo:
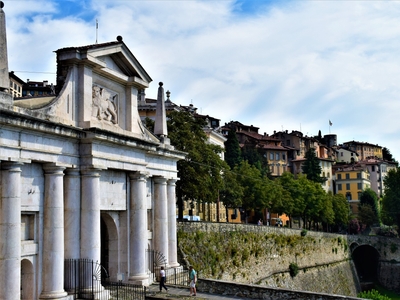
x=391 y=199
x=201 y=173
x=311 y=167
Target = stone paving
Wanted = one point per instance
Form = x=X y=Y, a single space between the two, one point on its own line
x=182 y=293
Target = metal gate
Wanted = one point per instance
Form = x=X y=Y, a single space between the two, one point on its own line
x=86 y=279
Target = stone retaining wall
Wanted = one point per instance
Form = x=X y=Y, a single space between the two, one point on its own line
x=258 y=292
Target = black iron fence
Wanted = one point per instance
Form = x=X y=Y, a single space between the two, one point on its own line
x=86 y=279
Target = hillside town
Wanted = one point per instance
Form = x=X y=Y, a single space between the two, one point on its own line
x=89 y=191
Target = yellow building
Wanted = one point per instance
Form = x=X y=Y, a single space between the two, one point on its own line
x=364 y=150
x=351 y=181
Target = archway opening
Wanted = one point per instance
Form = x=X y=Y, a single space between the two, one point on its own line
x=27 y=280
x=109 y=246
x=366 y=260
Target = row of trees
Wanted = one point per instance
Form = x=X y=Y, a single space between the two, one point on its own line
x=243 y=179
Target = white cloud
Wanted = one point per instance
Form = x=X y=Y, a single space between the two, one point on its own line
x=287 y=66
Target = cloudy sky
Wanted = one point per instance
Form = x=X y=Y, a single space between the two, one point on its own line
x=291 y=65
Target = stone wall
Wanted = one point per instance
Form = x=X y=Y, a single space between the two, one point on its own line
x=257 y=292
x=261 y=256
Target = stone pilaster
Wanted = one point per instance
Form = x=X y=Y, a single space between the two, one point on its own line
x=138 y=229
x=160 y=236
x=72 y=213
x=172 y=239
x=10 y=231
x=53 y=234
x=90 y=215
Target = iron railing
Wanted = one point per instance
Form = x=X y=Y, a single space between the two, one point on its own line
x=86 y=279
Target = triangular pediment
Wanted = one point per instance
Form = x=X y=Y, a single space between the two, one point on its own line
x=112 y=59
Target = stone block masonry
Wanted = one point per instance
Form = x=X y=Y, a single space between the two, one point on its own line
x=261 y=256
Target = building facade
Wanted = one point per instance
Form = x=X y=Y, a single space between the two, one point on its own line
x=81 y=177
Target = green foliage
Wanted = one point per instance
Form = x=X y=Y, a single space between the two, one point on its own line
x=201 y=173
x=373 y=295
x=369 y=197
x=303 y=232
x=232 y=150
x=311 y=167
x=293 y=269
x=393 y=248
x=367 y=215
x=391 y=199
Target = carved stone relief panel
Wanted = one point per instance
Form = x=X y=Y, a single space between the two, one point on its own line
x=104 y=104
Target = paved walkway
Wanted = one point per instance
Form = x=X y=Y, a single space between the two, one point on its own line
x=182 y=293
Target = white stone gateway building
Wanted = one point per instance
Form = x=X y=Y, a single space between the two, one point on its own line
x=81 y=178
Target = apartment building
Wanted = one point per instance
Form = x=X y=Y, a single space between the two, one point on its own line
x=16 y=85
x=364 y=150
x=351 y=181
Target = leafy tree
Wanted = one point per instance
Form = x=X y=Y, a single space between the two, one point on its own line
x=311 y=167
x=354 y=226
x=293 y=202
x=369 y=197
x=254 y=187
x=391 y=199
x=367 y=215
x=149 y=123
x=341 y=209
x=231 y=194
x=232 y=150
x=388 y=156
x=201 y=173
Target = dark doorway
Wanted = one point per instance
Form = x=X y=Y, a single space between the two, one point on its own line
x=366 y=259
x=104 y=252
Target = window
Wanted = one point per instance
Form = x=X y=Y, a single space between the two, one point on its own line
x=358 y=175
x=348 y=186
x=287 y=142
x=276 y=156
x=339 y=187
x=347 y=176
x=373 y=169
x=348 y=196
x=339 y=176
x=271 y=155
x=283 y=156
x=359 y=185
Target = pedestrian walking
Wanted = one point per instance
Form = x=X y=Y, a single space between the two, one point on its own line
x=162 y=279
x=193 y=280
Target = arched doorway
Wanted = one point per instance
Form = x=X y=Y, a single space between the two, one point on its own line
x=27 y=280
x=366 y=260
x=109 y=246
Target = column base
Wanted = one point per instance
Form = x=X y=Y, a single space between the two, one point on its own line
x=54 y=295
x=140 y=280
x=174 y=265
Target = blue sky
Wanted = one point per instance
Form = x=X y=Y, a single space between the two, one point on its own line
x=291 y=65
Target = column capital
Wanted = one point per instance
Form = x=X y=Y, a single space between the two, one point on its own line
x=91 y=172
x=139 y=175
x=160 y=179
x=172 y=181
x=72 y=172
x=53 y=169
x=11 y=165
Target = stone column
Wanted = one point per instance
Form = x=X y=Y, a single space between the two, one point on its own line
x=160 y=236
x=53 y=234
x=172 y=239
x=138 y=229
x=10 y=231
x=90 y=215
x=72 y=213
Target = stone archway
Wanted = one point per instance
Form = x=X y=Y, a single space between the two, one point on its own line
x=109 y=246
x=366 y=260
x=27 y=280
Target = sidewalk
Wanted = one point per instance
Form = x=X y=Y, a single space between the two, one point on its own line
x=182 y=293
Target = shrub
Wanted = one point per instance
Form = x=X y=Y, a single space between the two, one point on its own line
x=303 y=232
x=293 y=269
x=373 y=295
